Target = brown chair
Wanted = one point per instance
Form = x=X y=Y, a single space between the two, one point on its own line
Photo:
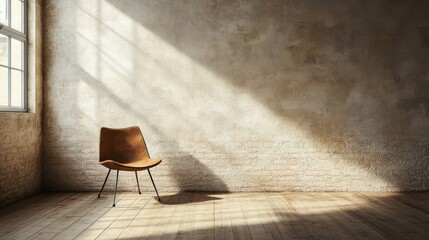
x=125 y=149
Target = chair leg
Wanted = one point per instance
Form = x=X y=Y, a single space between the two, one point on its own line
x=138 y=185
x=116 y=187
x=150 y=175
x=105 y=180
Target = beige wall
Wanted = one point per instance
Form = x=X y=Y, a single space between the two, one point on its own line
x=241 y=95
x=21 y=133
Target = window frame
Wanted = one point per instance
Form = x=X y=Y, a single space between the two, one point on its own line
x=12 y=33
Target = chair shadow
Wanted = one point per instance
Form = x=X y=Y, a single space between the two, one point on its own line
x=187 y=197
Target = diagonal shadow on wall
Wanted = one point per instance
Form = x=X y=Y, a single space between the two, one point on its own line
x=66 y=138
x=352 y=75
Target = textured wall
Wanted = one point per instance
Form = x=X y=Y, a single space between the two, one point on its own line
x=241 y=95
x=20 y=133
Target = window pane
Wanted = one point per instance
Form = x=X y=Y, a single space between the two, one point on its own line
x=3 y=86
x=16 y=15
x=16 y=89
x=3 y=12
x=4 y=50
x=16 y=53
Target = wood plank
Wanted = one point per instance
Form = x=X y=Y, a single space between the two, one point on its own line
x=274 y=227
x=141 y=225
x=179 y=207
x=88 y=215
x=126 y=215
x=103 y=221
x=165 y=225
x=255 y=216
x=223 y=223
x=290 y=218
x=63 y=218
x=219 y=216
x=240 y=229
x=133 y=229
x=312 y=220
x=13 y=217
x=31 y=224
x=351 y=225
x=186 y=228
x=373 y=217
x=204 y=217
x=410 y=221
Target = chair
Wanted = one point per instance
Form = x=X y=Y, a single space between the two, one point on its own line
x=125 y=149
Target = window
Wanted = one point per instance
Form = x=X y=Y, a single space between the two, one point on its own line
x=13 y=55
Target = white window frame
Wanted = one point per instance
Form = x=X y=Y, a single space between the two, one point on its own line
x=20 y=36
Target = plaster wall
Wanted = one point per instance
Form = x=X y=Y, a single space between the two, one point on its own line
x=21 y=133
x=241 y=95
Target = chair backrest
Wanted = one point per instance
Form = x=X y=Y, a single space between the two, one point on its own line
x=124 y=145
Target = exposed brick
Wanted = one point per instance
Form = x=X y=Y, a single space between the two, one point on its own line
x=245 y=96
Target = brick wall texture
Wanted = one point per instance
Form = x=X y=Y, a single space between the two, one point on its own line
x=20 y=167
x=240 y=96
x=21 y=133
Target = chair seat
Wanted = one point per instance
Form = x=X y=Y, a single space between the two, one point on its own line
x=133 y=166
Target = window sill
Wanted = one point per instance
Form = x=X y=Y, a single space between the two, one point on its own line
x=13 y=110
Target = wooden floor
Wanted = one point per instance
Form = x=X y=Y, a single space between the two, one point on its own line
x=219 y=216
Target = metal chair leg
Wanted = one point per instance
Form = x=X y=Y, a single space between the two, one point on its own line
x=138 y=185
x=105 y=180
x=116 y=187
x=150 y=175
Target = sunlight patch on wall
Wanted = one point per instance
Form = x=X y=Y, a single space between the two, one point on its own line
x=131 y=76
x=139 y=67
